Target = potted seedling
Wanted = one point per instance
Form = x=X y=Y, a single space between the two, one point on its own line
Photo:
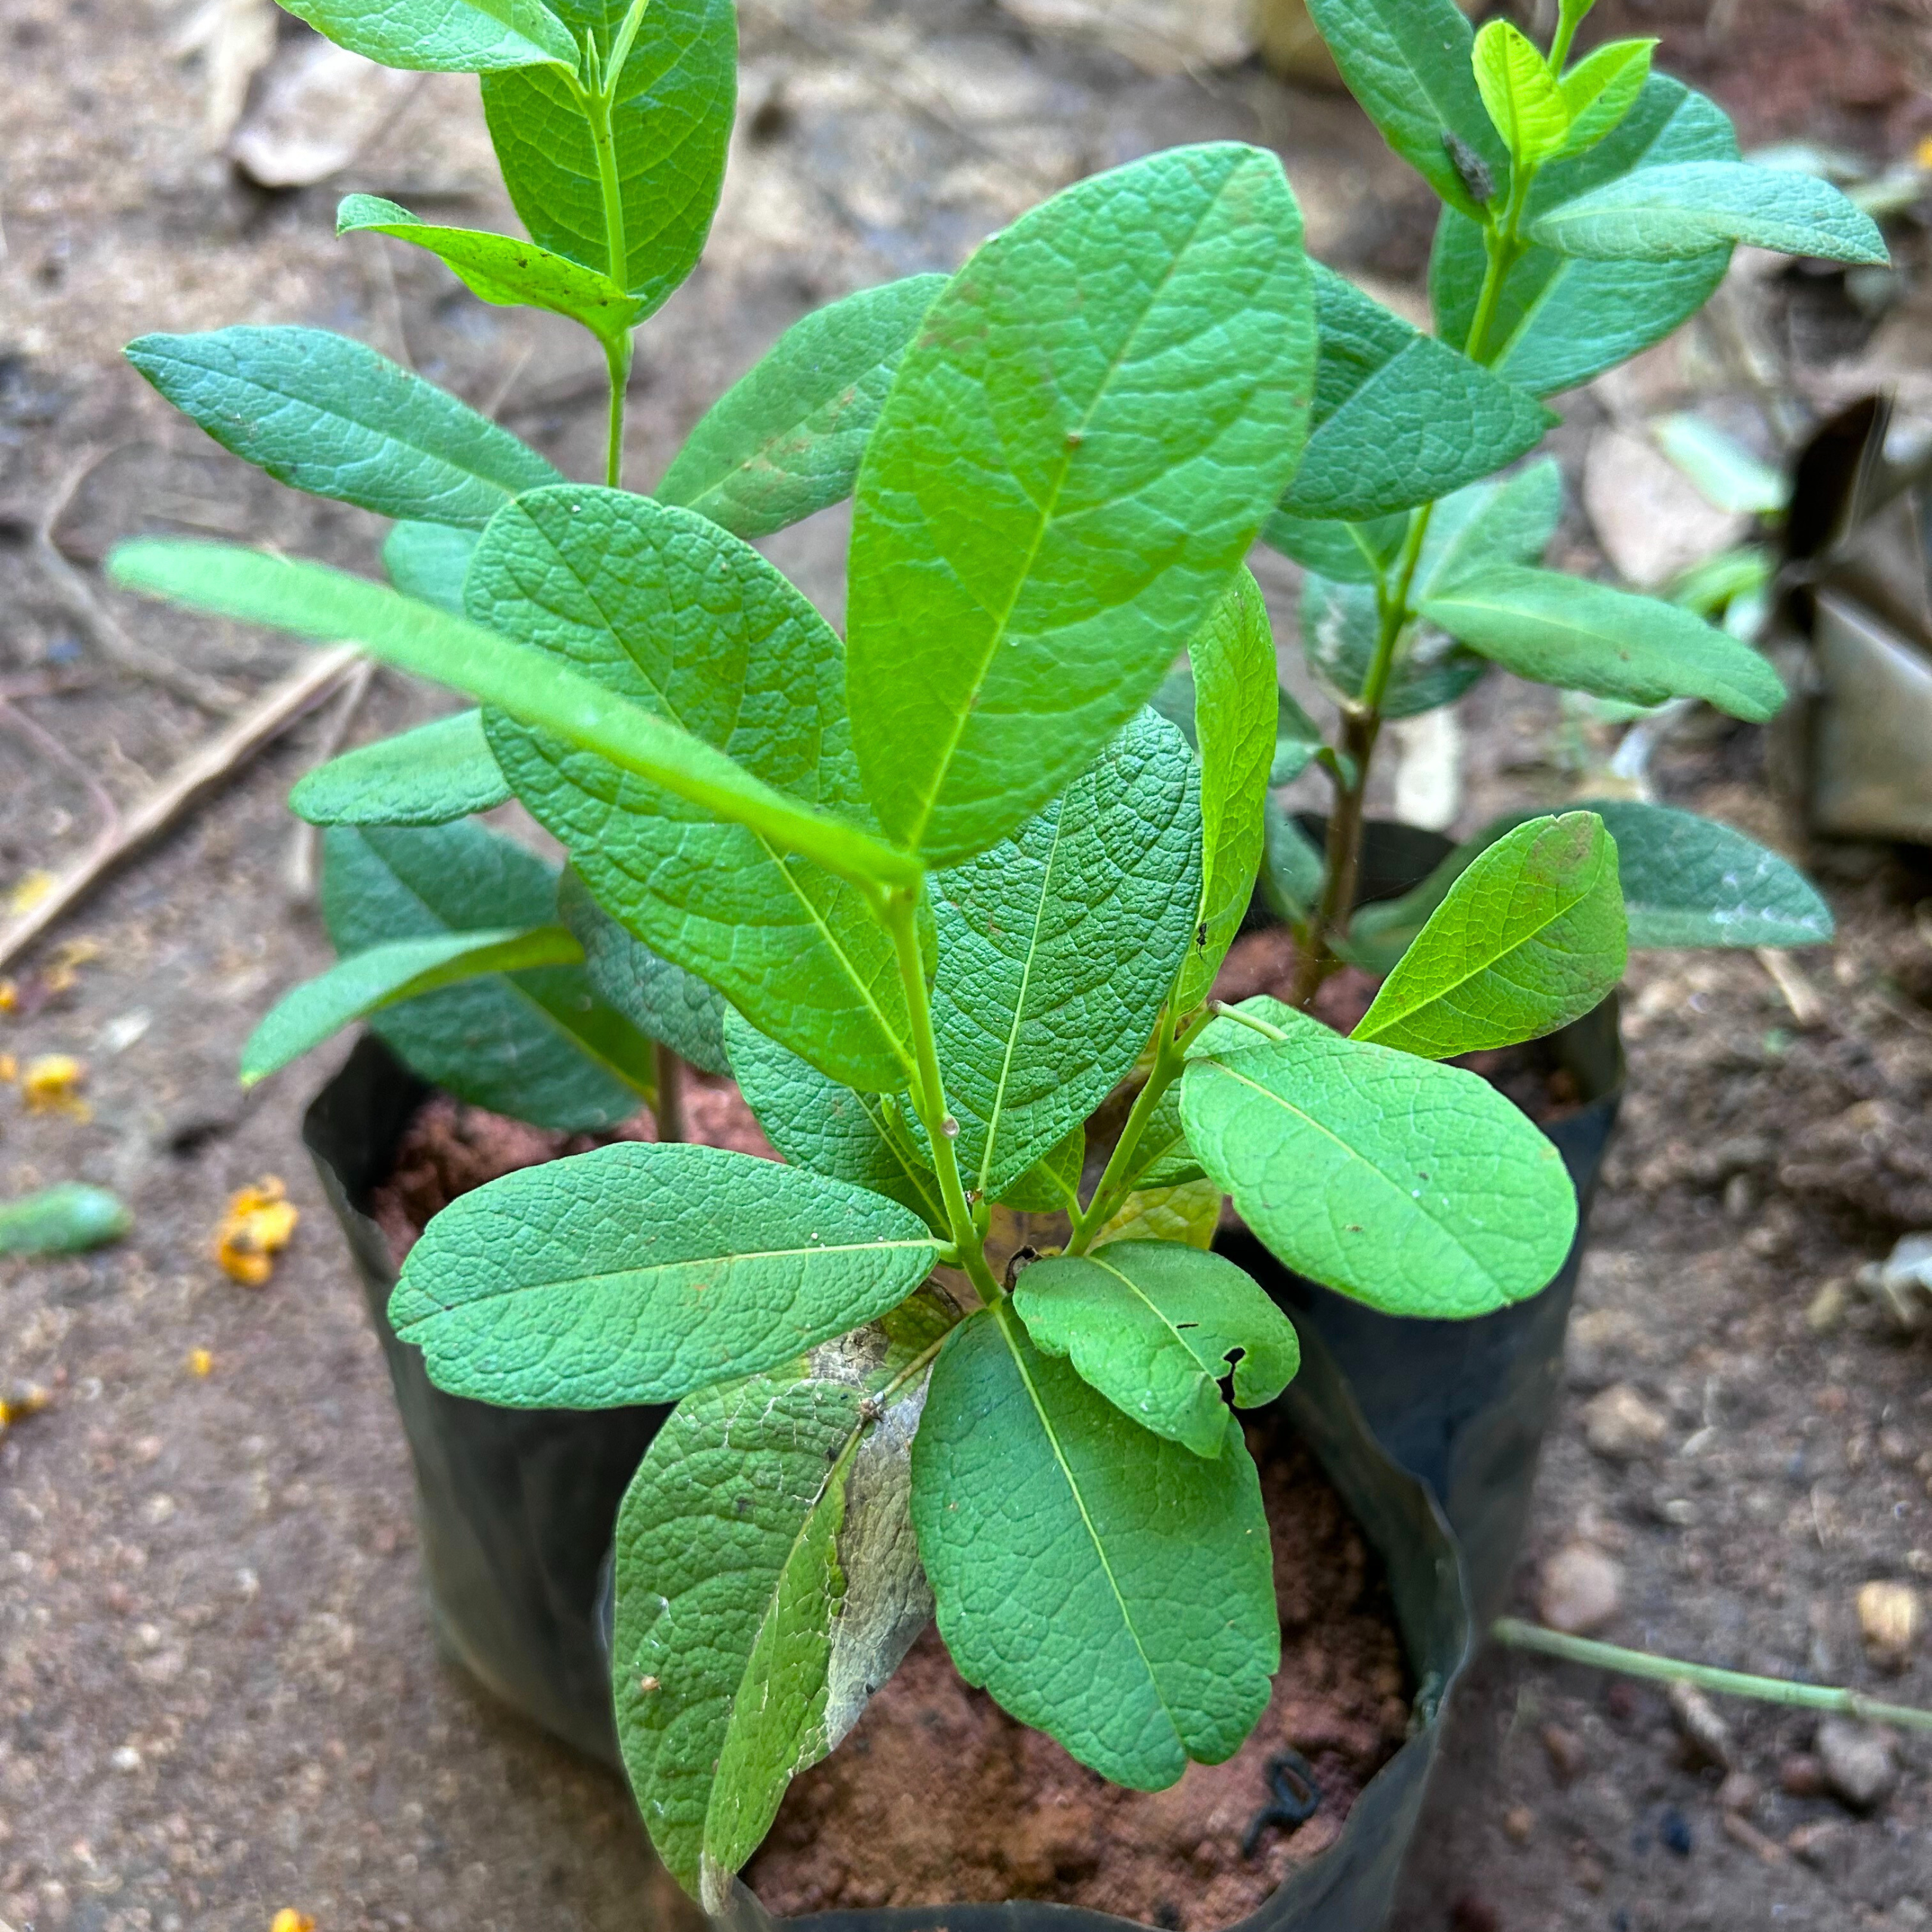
x=956 y=898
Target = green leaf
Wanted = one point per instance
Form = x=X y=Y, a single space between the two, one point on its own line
x=1529 y=938
x=1726 y=474
x=1667 y=214
x=785 y=441
x=1237 y=716
x=1510 y=520
x=1561 y=320
x=314 y=601
x=1524 y=102
x=671 y=125
x=428 y=776
x=429 y=562
x=637 y=1273
x=1347 y=552
x=1399 y=418
x=1415 y=1187
x=67 y=1219
x=386 y=976
x=1187 y=1211
x=1051 y=1185
x=1688 y=881
x=1558 y=629
x=658 y=998
x=1291 y=867
x=1410 y=64
x=1164 y=1157
x=678 y=619
x=1109 y=1588
x=1056 y=948
x=500 y=268
x=536 y=1045
x=1101 y=408
x=1601 y=88
x=326 y=415
x=767 y=1582
x=1340 y=623
x=815 y=1123
x=444 y=36
x=1155 y=1326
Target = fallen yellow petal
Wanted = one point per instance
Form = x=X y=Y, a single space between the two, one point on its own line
x=10 y=996
x=254 y=1230
x=29 y=889
x=290 y=1920
x=199 y=1361
x=51 y=1084
x=69 y=956
x=10 y=1068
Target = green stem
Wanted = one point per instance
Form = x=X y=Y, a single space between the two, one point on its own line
x=1117 y=1179
x=1569 y=18
x=900 y=915
x=596 y=101
x=1520 y=1636
x=668 y=1113
x=617 y=359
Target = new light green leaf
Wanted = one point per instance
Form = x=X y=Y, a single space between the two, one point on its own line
x=1529 y=938
x=767 y=1581
x=1602 y=87
x=670 y=126
x=1725 y=473
x=444 y=36
x=1400 y=418
x=1558 y=629
x=816 y=1122
x=1156 y=1327
x=1237 y=702
x=658 y=998
x=1410 y=64
x=386 y=976
x=1100 y=410
x=429 y=562
x=437 y=772
x=1107 y=1586
x=1561 y=320
x=1415 y=1187
x=315 y=601
x=1525 y=103
x=326 y=415
x=786 y=440
x=676 y=619
x=537 y=1045
x=1057 y=947
x=638 y=1273
x=501 y=268
x=1667 y=214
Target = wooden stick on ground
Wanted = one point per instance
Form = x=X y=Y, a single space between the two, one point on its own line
x=198 y=774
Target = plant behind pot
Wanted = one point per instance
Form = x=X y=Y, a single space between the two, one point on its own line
x=941 y=888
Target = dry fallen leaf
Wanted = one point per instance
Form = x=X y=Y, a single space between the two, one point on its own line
x=254 y=1230
x=51 y=1083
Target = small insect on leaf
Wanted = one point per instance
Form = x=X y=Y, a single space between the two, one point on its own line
x=51 y=1083
x=255 y=1229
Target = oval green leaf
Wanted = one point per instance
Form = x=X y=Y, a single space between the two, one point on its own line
x=444 y=36
x=429 y=776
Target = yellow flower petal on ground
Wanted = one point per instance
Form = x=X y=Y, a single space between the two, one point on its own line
x=290 y=1920
x=29 y=889
x=254 y=1230
x=200 y=1362
x=51 y=1083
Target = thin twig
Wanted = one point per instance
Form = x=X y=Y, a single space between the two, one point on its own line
x=1519 y=1636
x=218 y=760
x=103 y=630
x=1807 y=1008
x=299 y=874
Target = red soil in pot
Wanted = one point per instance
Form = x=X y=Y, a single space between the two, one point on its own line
x=938 y=1797
x=450 y=1148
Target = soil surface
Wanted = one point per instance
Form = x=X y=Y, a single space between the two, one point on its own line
x=939 y=1795
x=219 y=1693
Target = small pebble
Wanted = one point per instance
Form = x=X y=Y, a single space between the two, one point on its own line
x=1674 y=1828
x=1857 y=1762
x=1620 y=1426
x=1590 y=1874
x=126 y=1758
x=1519 y=1822
x=1582 y=1590
x=1568 y=1758
x=1820 y=1844
x=1890 y=1618
x=1738 y=1793
x=1706 y=1733
x=1800 y=1775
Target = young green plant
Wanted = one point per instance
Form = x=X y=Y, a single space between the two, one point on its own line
x=947 y=893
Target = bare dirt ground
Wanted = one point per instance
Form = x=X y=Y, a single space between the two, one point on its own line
x=218 y=1693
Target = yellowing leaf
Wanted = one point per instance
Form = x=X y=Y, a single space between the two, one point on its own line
x=255 y=1229
x=1188 y=1211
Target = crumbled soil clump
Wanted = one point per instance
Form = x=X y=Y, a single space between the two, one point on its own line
x=449 y=1148
x=938 y=1796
